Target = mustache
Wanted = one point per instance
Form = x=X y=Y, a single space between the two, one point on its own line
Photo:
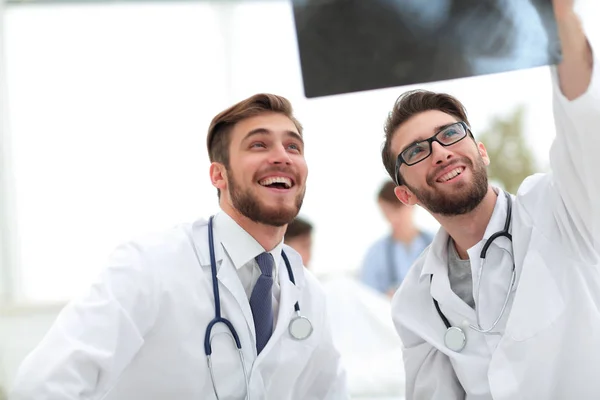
x=437 y=170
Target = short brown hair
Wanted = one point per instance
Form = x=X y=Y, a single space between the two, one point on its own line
x=407 y=106
x=386 y=193
x=297 y=228
x=218 y=138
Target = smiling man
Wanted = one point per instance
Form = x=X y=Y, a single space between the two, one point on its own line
x=213 y=309
x=504 y=303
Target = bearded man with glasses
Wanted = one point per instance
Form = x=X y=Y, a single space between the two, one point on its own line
x=504 y=303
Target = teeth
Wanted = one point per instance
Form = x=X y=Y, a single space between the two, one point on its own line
x=450 y=175
x=276 y=179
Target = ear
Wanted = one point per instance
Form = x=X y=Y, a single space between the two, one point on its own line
x=405 y=195
x=218 y=176
x=483 y=153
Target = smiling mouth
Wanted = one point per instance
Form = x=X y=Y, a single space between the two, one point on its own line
x=450 y=175
x=277 y=182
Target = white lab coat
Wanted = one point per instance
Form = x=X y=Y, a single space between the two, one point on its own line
x=550 y=342
x=139 y=333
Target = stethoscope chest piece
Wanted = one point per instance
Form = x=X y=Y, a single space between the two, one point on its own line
x=455 y=339
x=300 y=327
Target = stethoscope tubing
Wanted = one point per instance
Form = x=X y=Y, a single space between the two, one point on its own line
x=503 y=233
x=217 y=298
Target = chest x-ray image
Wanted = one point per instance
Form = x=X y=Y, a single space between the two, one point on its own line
x=354 y=45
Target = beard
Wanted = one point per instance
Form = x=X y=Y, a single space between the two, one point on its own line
x=250 y=205
x=454 y=204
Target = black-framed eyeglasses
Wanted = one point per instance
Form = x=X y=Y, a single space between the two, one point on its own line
x=417 y=152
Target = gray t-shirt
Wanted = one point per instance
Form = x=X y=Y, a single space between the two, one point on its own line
x=459 y=275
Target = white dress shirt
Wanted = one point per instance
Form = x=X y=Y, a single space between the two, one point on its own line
x=242 y=248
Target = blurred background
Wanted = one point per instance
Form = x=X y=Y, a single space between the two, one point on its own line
x=104 y=111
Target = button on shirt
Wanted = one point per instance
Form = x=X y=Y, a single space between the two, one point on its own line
x=242 y=248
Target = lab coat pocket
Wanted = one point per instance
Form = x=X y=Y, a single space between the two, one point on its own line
x=295 y=353
x=538 y=300
x=284 y=365
x=430 y=374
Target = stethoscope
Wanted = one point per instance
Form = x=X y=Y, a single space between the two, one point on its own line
x=455 y=338
x=300 y=327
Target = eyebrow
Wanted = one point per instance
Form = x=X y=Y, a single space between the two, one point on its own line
x=442 y=127
x=437 y=130
x=264 y=131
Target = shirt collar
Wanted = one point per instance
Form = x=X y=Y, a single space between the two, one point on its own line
x=239 y=244
x=437 y=257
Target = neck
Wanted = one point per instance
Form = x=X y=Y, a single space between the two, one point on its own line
x=468 y=229
x=405 y=234
x=267 y=236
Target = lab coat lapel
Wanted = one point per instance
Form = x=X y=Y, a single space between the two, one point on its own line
x=447 y=299
x=228 y=277
x=436 y=264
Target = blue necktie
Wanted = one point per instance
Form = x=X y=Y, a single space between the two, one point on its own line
x=261 y=301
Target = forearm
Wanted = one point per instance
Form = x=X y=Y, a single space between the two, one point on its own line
x=573 y=155
x=575 y=70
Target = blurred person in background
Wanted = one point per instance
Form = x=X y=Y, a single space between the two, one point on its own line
x=389 y=259
x=298 y=236
x=361 y=327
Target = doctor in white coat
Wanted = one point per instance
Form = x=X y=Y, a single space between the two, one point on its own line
x=140 y=331
x=524 y=323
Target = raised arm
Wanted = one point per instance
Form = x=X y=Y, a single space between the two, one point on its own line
x=573 y=187
x=575 y=70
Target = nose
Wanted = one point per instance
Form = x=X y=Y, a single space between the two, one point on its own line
x=279 y=155
x=439 y=153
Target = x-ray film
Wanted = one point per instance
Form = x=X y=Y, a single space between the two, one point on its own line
x=355 y=45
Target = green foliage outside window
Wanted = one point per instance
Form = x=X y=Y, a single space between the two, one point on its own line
x=511 y=159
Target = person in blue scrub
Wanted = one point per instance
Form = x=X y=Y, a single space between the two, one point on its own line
x=389 y=259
